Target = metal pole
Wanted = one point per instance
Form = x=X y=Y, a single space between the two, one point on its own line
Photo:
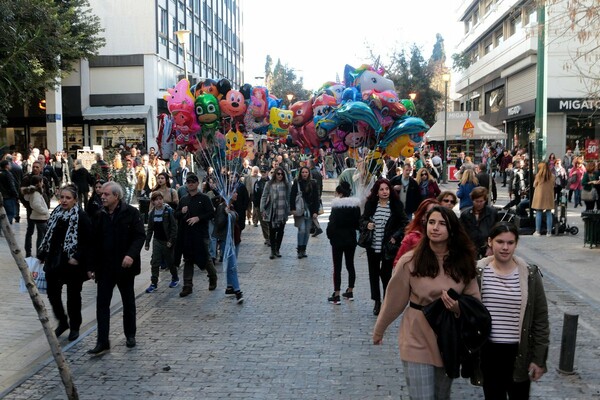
x=185 y=71
x=567 y=344
x=444 y=160
x=540 y=116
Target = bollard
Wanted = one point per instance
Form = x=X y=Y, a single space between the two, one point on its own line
x=567 y=344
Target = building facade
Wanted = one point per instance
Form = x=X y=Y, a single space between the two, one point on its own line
x=500 y=43
x=114 y=99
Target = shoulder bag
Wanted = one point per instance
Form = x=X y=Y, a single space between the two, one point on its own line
x=365 y=237
x=299 y=211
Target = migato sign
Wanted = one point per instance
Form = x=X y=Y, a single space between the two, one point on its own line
x=579 y=104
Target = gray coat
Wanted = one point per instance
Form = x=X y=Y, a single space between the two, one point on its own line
x=266 y=205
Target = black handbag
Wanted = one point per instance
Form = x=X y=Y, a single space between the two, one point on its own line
x=365 y=237
x=390 y=250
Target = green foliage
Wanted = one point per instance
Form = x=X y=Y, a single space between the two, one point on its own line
x=411 y=73
x=460 y=61
x=41 y=41
x=284 y=81
x=438 y=53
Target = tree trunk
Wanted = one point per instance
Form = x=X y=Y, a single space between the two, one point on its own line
x=38 y=304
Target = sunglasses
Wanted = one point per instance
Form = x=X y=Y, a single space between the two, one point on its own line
x=188 y=182
x=448 y=201
x=278 y=173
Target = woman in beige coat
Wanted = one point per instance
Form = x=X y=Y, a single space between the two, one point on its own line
x=543 y=198
x=443 y=259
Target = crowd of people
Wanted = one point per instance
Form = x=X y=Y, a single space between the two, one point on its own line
x=420 y=252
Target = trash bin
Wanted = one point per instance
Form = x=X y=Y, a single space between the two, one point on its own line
x=591 y=228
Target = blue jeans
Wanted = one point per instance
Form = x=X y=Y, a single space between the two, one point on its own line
x=212 y=248
x=577 y=197
x=128 y=194
x=304 y=230
x=231 y=260
x=538 y=220
x=10 y=205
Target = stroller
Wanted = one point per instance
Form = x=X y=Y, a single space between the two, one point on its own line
x=559 y=218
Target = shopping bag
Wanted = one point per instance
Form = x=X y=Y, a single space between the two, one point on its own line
x=36 y=268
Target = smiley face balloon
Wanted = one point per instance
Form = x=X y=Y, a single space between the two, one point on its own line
x=280 y=122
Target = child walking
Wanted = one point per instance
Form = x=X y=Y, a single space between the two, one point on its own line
x=161 y=224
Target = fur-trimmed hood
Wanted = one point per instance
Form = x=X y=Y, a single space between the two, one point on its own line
x=345 y=202
x=29 y=189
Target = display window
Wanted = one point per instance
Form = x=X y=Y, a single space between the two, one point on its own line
x=113 y=136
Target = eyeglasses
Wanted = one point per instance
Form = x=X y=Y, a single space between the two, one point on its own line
x=449 y=201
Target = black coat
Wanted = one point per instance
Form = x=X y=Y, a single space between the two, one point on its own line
x=190 y=237
x=82 y=179
x=479 y=229
x=56 y=260
x=343 y=222
x=395 y=224
x=459 y=338
x=115 y=237
x=413 y=193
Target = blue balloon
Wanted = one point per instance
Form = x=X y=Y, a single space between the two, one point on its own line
x=351 y=94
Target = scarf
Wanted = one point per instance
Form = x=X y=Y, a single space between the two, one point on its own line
x=70 y=242
x=279 y=199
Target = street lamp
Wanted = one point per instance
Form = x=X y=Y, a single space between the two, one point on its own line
x=412 y=95
x=183 y=36
x=290 y=97
x=446 y=78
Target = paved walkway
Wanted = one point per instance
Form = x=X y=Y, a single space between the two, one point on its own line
x=285 y=341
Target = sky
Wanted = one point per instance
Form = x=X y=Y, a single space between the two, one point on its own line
x=317 y=38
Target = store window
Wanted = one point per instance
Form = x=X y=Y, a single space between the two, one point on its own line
x=38 y=137
x=13 y=138
x=72 y=139
x=113 y=136
x=580 y=128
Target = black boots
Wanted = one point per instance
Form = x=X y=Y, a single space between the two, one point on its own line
x=302 y=252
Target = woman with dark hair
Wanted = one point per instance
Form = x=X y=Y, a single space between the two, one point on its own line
x=163 y=186
x=447 y=199
x=384 y=215
x=81 y=179
x=513 y=293
x=341 y=232
x=444 y=259
x=275 y=208
x=65 y=253
x=415 y=229
x=428 y=187
x=306 y=187
x=94 y=204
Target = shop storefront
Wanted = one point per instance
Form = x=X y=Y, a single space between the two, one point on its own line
x=582 y=121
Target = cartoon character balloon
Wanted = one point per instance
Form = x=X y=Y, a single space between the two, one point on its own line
x=366 y=77
x=180 y=104
x=280 y=122
x=235 y=145
x=208 y=113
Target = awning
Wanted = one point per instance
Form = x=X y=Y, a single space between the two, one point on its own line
x=116 y=112
x=456 y=121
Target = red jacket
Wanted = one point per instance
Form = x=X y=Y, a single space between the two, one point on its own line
x=410 y=241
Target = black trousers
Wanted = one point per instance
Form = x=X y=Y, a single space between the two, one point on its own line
x=379 y=269
x=497 y=366
x=106 y=285
x=276 y=236
x=55 y=284
x=337 y=252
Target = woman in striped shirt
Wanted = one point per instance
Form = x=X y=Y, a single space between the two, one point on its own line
x=384 y=214
x=513 y=292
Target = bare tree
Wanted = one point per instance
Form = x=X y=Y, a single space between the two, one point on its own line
x=38 y=304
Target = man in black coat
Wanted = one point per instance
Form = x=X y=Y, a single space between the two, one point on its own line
x=193 y=214
x=486 y=181
x=408 y=190
x=479 y=219
x=119 y=236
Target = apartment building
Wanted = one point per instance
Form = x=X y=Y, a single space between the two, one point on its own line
x=501 y=44
x=114 y=99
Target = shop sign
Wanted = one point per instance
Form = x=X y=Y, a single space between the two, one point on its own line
x=516 y=110
x=557 y=105
x=591 y=149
